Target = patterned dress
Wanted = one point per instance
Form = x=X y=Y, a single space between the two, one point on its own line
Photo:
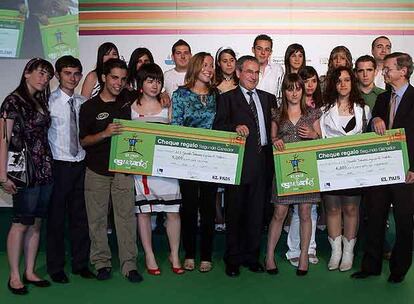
x=153 y=193
x=288 y=132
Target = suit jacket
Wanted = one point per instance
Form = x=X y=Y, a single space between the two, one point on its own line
x=404 y=117
x=233 y=110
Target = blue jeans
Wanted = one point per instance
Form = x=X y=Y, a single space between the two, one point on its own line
x=29 y=203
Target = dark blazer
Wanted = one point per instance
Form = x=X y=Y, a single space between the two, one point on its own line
x=233 y=110
x=404 y=117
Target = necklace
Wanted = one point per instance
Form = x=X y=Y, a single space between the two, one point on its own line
x=343 y=109
x=228 y=78
x=203 y=99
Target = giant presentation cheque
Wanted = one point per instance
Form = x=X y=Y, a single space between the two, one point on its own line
x=341 y=163
x=179 y=152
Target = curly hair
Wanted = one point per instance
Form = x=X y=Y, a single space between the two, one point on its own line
x=331 y=93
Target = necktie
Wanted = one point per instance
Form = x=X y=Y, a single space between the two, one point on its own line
x=256 y=119
x=73 y=144
x=393 y=104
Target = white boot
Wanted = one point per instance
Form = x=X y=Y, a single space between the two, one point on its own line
x=336 y=252
x=348 y=254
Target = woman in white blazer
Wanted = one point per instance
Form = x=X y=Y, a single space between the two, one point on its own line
x=344 y=113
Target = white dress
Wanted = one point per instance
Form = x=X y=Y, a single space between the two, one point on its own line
x=153 y=193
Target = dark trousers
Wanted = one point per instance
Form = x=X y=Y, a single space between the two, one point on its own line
x=198 y=197
x=244 y=220
x=378 y=200
x=67 y=200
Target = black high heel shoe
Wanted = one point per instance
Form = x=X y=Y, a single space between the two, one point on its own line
x=300 y=272
x=272 y=271
x=17 y=291
x=41 y=283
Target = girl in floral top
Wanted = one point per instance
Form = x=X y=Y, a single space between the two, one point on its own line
x=25 y=114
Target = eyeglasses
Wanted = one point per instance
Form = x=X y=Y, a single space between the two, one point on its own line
x=387 y=70
x=251 y=72
x=260 y=49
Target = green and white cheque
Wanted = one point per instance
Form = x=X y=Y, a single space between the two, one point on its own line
x=342 y=163
x=177 y=152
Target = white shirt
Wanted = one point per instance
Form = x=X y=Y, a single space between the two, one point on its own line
x=260 y=116
x=59 y=130
x=271 y=80
x=379 y=80
x=172 y=80
x=331 y=124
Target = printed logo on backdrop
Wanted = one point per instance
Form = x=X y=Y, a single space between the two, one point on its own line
x=169 y=60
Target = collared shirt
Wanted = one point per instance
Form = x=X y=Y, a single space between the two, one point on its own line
x=371 y=97
x=400 y=92
x=271 y=80
x=260 y=116
x=59 y=130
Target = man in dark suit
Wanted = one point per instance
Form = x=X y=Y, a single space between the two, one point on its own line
x=247 y=111
x=393 y=109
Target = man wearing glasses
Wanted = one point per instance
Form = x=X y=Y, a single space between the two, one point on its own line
x=393 y=109
x=271 y=73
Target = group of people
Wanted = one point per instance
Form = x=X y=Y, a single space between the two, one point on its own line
x=68 y=136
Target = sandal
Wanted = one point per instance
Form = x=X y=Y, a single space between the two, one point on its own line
x=313 y=259
x=205 y=266
x=294 y=262
x=189 y=264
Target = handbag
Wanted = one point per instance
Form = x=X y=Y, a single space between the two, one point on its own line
x=20 y=166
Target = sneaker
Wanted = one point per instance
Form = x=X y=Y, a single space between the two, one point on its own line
x=134 y=277
x=103 y=274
